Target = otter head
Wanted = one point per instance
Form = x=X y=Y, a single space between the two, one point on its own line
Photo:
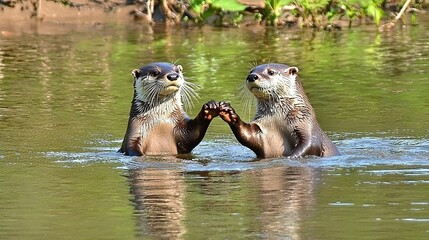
x=272 y=80
x=157 y=81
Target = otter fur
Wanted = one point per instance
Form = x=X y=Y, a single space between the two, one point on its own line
x=285 y=123
x=157 y=124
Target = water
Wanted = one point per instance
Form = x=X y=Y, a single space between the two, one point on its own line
x=64 y=101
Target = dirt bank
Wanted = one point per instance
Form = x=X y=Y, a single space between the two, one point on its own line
x=56 y=16
x=23 y=17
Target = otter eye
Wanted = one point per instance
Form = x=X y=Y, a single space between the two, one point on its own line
x=270 y=72
x=154 y=73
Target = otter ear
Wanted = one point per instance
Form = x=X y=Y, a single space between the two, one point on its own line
x=180 y=68
x=136 y=73
x=292 y=71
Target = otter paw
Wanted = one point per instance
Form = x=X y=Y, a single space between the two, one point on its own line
x=211 y=110
x=227 y=113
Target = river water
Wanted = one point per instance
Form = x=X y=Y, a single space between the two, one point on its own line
x=64 y=103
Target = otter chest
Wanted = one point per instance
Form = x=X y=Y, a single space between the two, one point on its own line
x=276 y=136
x=157 y=135
x=160 y=140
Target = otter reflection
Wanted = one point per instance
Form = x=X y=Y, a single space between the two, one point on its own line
x=159 y=201
x=270 y=202
x=285 y=194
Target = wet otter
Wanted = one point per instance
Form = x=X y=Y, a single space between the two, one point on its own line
x=285 y=122
x=158 y=124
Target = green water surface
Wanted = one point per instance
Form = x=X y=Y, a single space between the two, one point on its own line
x=64 y=103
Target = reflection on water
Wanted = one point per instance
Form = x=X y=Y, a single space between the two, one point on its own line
x=64 y=103
x=266 y=203
x=159 y=196
x=286 y=194
x=1 y=64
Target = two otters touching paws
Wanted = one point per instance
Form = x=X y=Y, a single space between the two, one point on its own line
x=284 y=124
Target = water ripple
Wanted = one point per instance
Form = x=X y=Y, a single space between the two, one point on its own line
x=226 y=155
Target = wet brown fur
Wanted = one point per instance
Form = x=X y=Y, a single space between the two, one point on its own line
x=158 y=125
x=285 y=123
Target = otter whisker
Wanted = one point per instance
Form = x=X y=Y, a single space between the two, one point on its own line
x=247 y=99
x=189 y=94
x=147 y=89
x=187 y=97
x=192 y=86
x=253 y=64
x=153 y=91
x=174 y=62
x=185 y=101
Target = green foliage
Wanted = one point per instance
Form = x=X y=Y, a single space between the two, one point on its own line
x=373 y=9
x=228 y=5
x=209 y=8
x=315 y=13
x=273 y=10
x=311 y=9
x=413 y=18
x=313 y=6
x=200 y=6
x=197 y=6
x=349 y=8
x=335 y=9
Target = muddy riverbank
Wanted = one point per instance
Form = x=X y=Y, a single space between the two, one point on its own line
x=53 y=16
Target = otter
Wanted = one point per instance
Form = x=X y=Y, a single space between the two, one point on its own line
x=157 y=124
x=285 y=123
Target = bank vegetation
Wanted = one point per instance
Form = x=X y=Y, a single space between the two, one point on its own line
x=327 y=14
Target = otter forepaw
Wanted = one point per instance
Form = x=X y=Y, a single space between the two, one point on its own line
x=211 y=110
x=227 y=113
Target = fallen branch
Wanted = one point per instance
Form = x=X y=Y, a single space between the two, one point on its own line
x=391 y=24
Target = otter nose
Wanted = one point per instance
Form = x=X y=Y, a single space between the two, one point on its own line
x=252 y=77
x=172 y=76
